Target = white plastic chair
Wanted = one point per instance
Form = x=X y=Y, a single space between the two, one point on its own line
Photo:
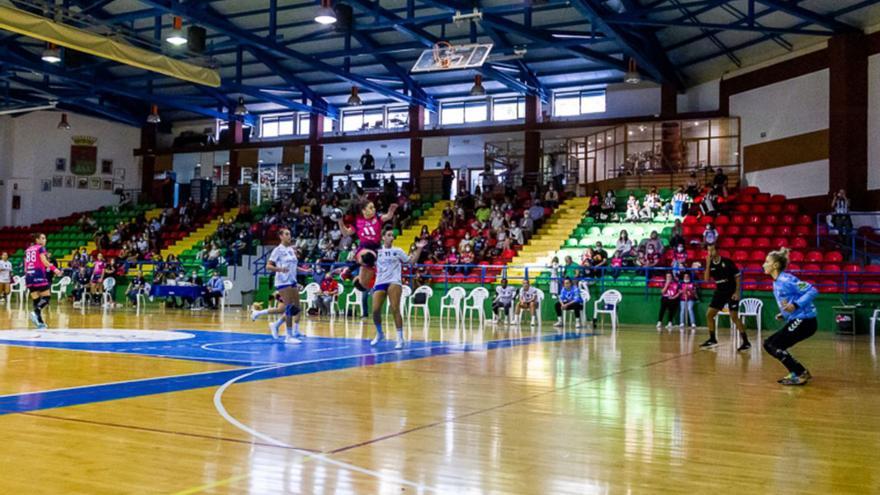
x=310 y=292
x=59 y=288
x=413 y=305
x=355 y=297
x=107 y=297
x=18 y=288
x=227 y=288
x=747 y=307
x=540 y=300
x=610 y=298
x=141 y=297
x=475 y=303
x=405 y=292
x=452 y=301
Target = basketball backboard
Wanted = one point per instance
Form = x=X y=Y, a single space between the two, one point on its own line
x=444 y=56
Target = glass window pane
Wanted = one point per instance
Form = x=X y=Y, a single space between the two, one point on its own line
x=270 y=127
x=352 y=121
x=521 y=108
x=452 y=114
x=723 y=152
x=328 y=125
x=505 y=109
x=428 y=118
x=397 y=117
x=285 y=126
x=694 y=129
x=374 y=119
x=593 y=102
x=566 y=104
x=475 y=111
x=303 y=124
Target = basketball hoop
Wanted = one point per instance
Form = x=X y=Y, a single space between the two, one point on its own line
x=443 y=54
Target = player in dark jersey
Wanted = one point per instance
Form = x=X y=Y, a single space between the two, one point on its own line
x=36 y=272
x=728 y=281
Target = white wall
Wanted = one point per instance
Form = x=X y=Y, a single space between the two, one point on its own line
x=700 y=98
x=788 y=108
x=30 y=149
x=873 y=122
x=784 y=109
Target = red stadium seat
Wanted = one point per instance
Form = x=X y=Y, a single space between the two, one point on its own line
x=834 y=257
x=871 y=287
x=754 y=219
x=750 y=190
x=727 y=242
x=733 y=230
x=771 y=219
x=872 y=268
x=778 y=198
x=791 y=208
x=740 y=256
x=815 y=257
x=788 y=219
x=744 y=242
x=804 y=220
x=766 y=231
x=738 y=219
x=706 y=220
x=832 y=268
x=757 y=256
x=794 y=267
x=690 y=220
x=722 y=220
x=783 y=230
x=812 y=267
x=742 y=208
x=774 y=208
x=796 y=256
x=798 y=243
x=759 y=208
x=779 y=242
x=802 y=231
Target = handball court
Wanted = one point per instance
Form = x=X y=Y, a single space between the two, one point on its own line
x=180 y=402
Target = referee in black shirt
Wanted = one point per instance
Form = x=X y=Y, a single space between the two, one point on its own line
x=727 y=289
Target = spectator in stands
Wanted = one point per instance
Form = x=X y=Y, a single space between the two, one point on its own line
x=710 y=235
x=552 y=198
x=624 y=248
x=679 y=200
x=599 y=259
x=536 y=213
x=516 y=235
x=840 y=218
x=554 y=276
x=571 y=269
x=654 y=241
x=136 y=286
x=688 y=291
x=677 y=235
x=528 y=300
x=709 y=205
x=214 y=290
x=504 y=295
x=595 y=207
x=632 y=209
x=651 y=205
x=5 y=276
x=465 y=242
x=367 y=163
x=679 y=260
x=609 y=205
x=527 y=225
x=488 y=179
x=719 y=183
x=467 y=259
x=648 y=257
x=669 y=301
x=569 y=300
x=329 y=292
x=453 y=259
x=448 y=176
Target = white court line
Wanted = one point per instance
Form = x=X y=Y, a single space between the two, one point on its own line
x=218 y=404
x=249 y=362
x=207 y=347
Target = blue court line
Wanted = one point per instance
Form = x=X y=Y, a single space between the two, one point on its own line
x=384 y=353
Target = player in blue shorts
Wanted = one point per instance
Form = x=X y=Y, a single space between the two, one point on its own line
x=389 y=283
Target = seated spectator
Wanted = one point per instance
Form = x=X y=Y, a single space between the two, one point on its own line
x=570 y=269
x=137 y=285
x=679 y=202
x=709 y=205
x=465 y=242
x=329 y=292
x=632 y=209
x=214 y=290
x=595 y=207
x=609 y=205
x=677 y=236
x=536 y=213
x=624 y=248
x=654 y=241
x=679 y=260
x=692 y=187
x=552 y=198
x=504 y=295
x=648 y=258
x=467 y=258
x=569 y=300
x=651 y=204
x=710 y=235
x=600 y=259
x=528 y=300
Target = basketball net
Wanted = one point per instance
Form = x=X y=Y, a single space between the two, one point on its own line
x=443 y=54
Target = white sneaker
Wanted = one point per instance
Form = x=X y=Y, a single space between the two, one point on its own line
x=693 y=326
x=292 y=340
x=681 y=326
x=669 y=325
x=35 y=319
x=659 y=324
x=254 y=315
x=533 y=323
x=274 y=327
x=578 y=326
x=558 y=323
x=399 y=345
x=376 y=340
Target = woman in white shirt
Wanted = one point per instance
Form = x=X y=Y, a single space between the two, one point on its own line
x=5 y=276
x=389 y=283
x=284 y=263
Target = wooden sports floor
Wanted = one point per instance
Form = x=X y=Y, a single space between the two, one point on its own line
x=180 y=402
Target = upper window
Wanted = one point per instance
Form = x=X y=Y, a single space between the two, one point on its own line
x=361 y=120
x=276 y=125
x=462 y=112
x=511 y=108
x=570 y=103
x=398 y=117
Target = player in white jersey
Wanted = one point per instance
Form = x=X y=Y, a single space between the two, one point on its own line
x=5 y=276
x=389 y=282
x=283 y=262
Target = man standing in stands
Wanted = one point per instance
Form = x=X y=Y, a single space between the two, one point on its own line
x=367 y=163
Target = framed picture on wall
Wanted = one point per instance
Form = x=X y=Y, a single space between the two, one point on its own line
x=58 y=181
x=60 y=164
x=106 y=166
x=46 y=185
x=119 y=173
x=107 y=185
x=69 y=181
x=82 y=183
x=95 y=183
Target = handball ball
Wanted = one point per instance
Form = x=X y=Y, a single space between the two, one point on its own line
x=336 y=214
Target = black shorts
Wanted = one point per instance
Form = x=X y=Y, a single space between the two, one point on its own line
x=724 y=296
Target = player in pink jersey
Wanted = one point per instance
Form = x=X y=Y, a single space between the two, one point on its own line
x=369 y=234
x=36 y=266
x=97 y=281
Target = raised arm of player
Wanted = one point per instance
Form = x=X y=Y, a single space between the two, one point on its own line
x=388 y=216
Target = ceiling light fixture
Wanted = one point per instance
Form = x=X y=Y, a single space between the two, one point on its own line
x=51 y=54
x=64 y=125
x=632 y=73
x=354 y=100
x=154 y=118
x=478 y=89
x=325 y=15
x=240 y=109
x=176 y=37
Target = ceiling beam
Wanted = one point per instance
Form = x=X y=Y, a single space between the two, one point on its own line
x=825 y=21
